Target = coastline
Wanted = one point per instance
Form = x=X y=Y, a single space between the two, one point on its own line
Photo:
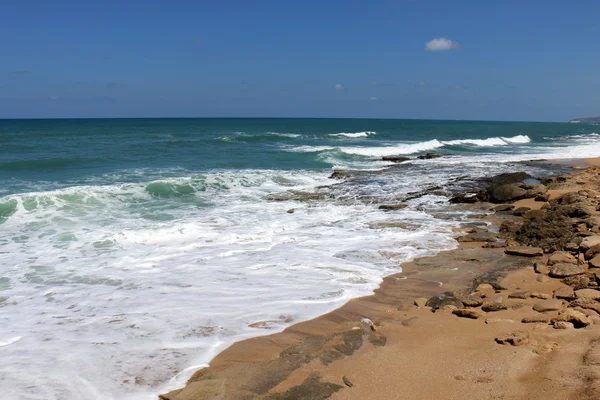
x=399 y=335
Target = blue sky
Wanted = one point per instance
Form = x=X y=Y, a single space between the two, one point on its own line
x=505 y=60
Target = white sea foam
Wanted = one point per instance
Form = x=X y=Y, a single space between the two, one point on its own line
x=143 y=280
x=354 y=135
x=490 y=142
x=288 y=135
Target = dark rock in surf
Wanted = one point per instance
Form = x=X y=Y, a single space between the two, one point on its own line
x=429 y=156
x=395 y=159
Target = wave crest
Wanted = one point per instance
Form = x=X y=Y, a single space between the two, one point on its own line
x=354 y=135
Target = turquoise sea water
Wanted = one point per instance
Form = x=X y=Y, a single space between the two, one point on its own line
x=142 y=247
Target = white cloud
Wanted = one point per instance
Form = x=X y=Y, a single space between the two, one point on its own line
x=373 y=98
x=422 y=83
x=338 y=86
x=440 y=44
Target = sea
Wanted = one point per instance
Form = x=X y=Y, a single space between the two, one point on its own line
x=132 y=251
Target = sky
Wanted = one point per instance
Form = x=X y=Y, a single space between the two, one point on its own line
x=529 y=60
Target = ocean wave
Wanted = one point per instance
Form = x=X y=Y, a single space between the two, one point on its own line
x=490 y=142
x=354 y=135
x=412 y=148
x=578 y=138
x=287 y=135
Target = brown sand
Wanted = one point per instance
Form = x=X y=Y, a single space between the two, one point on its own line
x=414 y=353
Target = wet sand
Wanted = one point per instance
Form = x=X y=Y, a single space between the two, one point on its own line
x=390 y=345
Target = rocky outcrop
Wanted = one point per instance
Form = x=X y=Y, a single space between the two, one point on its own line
x=442 y=300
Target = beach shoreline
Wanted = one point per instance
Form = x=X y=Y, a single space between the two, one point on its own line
x=285 y=362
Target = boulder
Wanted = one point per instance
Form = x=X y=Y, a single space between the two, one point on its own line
x=472 y=301
x=464 y=313
x=503 y=207
x=577 y=281
x=563 y=325
x=396 y=159
x=420 y=302
x=510 y=227
x=551 y=232
x=595 y=262
x=519 y=212
x=549 y=305
x=514 y=339
x=442 y=300
x=562 y=270
x=534 y=214
x=561 y=257
x=593 y=251
x=591 y=294
x=392 y=207
x=588 y=304
x=589 y=242
x=536 y=319
x=464 y=198
x=493 y=306
x=540 y=295
x=429 y=156
x=542 y=197
x=565 y=292
x=541 y=268
x=478 y=237
x=519 y=295
x=506 y=193
x=524 y=251
x=577 y=318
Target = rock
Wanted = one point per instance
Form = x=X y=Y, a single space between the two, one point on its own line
x=595 y=262
x=542 y=197
x=514 y=339
x=562 y=270
x=561 y=257
x=536 y=319
x=472 y=301
x=493 y=306
x=534 y=214
x=503 y=207
x=591 y=294
x=395 y=159
x=499 y=321
x=510 y=227
x=588 y=304
x=464 y=313
x=346 y=380
x=519 y=295
x=392 y=207
x=519 y=212
x=539 y=295
x=589 y=242
x=541 y=268
x=448 y=308
x=577 y=318
x=429 y=156
x=548 y=232
x=577 y=281
x=290 y=211
x=565 y=292
x=420 y=302
x=506 y=193
x=542 y=278
x=463 y=198
x=592 y=251
x=524 y=251
x=484 y=290
x=563 y=325
x=549 y=305
x=409 y=321
x=171 y=395
x=478 y=237
x=443 y=299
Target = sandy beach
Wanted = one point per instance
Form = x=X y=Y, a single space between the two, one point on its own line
x=509 y=314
